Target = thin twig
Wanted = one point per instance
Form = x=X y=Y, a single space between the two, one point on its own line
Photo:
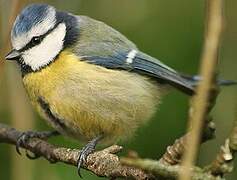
x=223 y=162
x=174 y=153
x=166 y=171
x=208 y=74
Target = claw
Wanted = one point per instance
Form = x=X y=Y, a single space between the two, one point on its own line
x=25 y=136
x=33 y=156
x=85 y=152
x=20 y=141
x=18 y=144
x=81 y=160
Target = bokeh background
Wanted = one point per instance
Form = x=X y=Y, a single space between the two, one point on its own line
x=172 y=31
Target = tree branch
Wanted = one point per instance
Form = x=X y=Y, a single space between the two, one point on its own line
x=102 y=163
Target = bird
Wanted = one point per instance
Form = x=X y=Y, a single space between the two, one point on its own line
x=86 y=79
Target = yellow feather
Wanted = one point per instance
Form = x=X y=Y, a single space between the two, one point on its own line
x=92 y=100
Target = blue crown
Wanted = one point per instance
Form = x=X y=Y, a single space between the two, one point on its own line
x=29 y=17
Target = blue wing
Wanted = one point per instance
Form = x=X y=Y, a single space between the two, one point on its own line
x=143 y=64
x=102 y=45
x=108 y=48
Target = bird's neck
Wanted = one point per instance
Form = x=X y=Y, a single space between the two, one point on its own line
x=72 y=27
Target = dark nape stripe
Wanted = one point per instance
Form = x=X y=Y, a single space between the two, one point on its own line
x=72 y=27
x=45 y=106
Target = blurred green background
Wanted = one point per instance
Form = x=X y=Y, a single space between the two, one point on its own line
x=172 y=31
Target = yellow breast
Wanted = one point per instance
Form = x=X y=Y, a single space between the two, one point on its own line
x=92 y=100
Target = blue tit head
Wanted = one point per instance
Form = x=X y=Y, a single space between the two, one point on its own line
x=40 y=33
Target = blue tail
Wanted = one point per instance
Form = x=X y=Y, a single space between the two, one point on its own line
x=194 y=80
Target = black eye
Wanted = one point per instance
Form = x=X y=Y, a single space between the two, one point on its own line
x=36 y=40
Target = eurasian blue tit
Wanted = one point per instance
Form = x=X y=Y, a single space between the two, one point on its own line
x=86 y=79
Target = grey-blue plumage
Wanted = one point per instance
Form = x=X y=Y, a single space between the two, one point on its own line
x=30 y=17
x=98 y=43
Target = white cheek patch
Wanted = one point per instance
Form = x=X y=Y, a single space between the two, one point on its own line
x=42 y=54
x=39 y=29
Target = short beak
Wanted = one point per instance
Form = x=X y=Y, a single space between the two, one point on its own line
x=13 y=55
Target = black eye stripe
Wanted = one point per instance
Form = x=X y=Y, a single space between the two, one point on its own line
x=41 y=38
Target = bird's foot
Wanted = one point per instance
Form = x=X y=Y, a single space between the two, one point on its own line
x=85 y=152
x=25 y=136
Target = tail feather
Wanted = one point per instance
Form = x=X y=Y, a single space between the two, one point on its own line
x=194 y=80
